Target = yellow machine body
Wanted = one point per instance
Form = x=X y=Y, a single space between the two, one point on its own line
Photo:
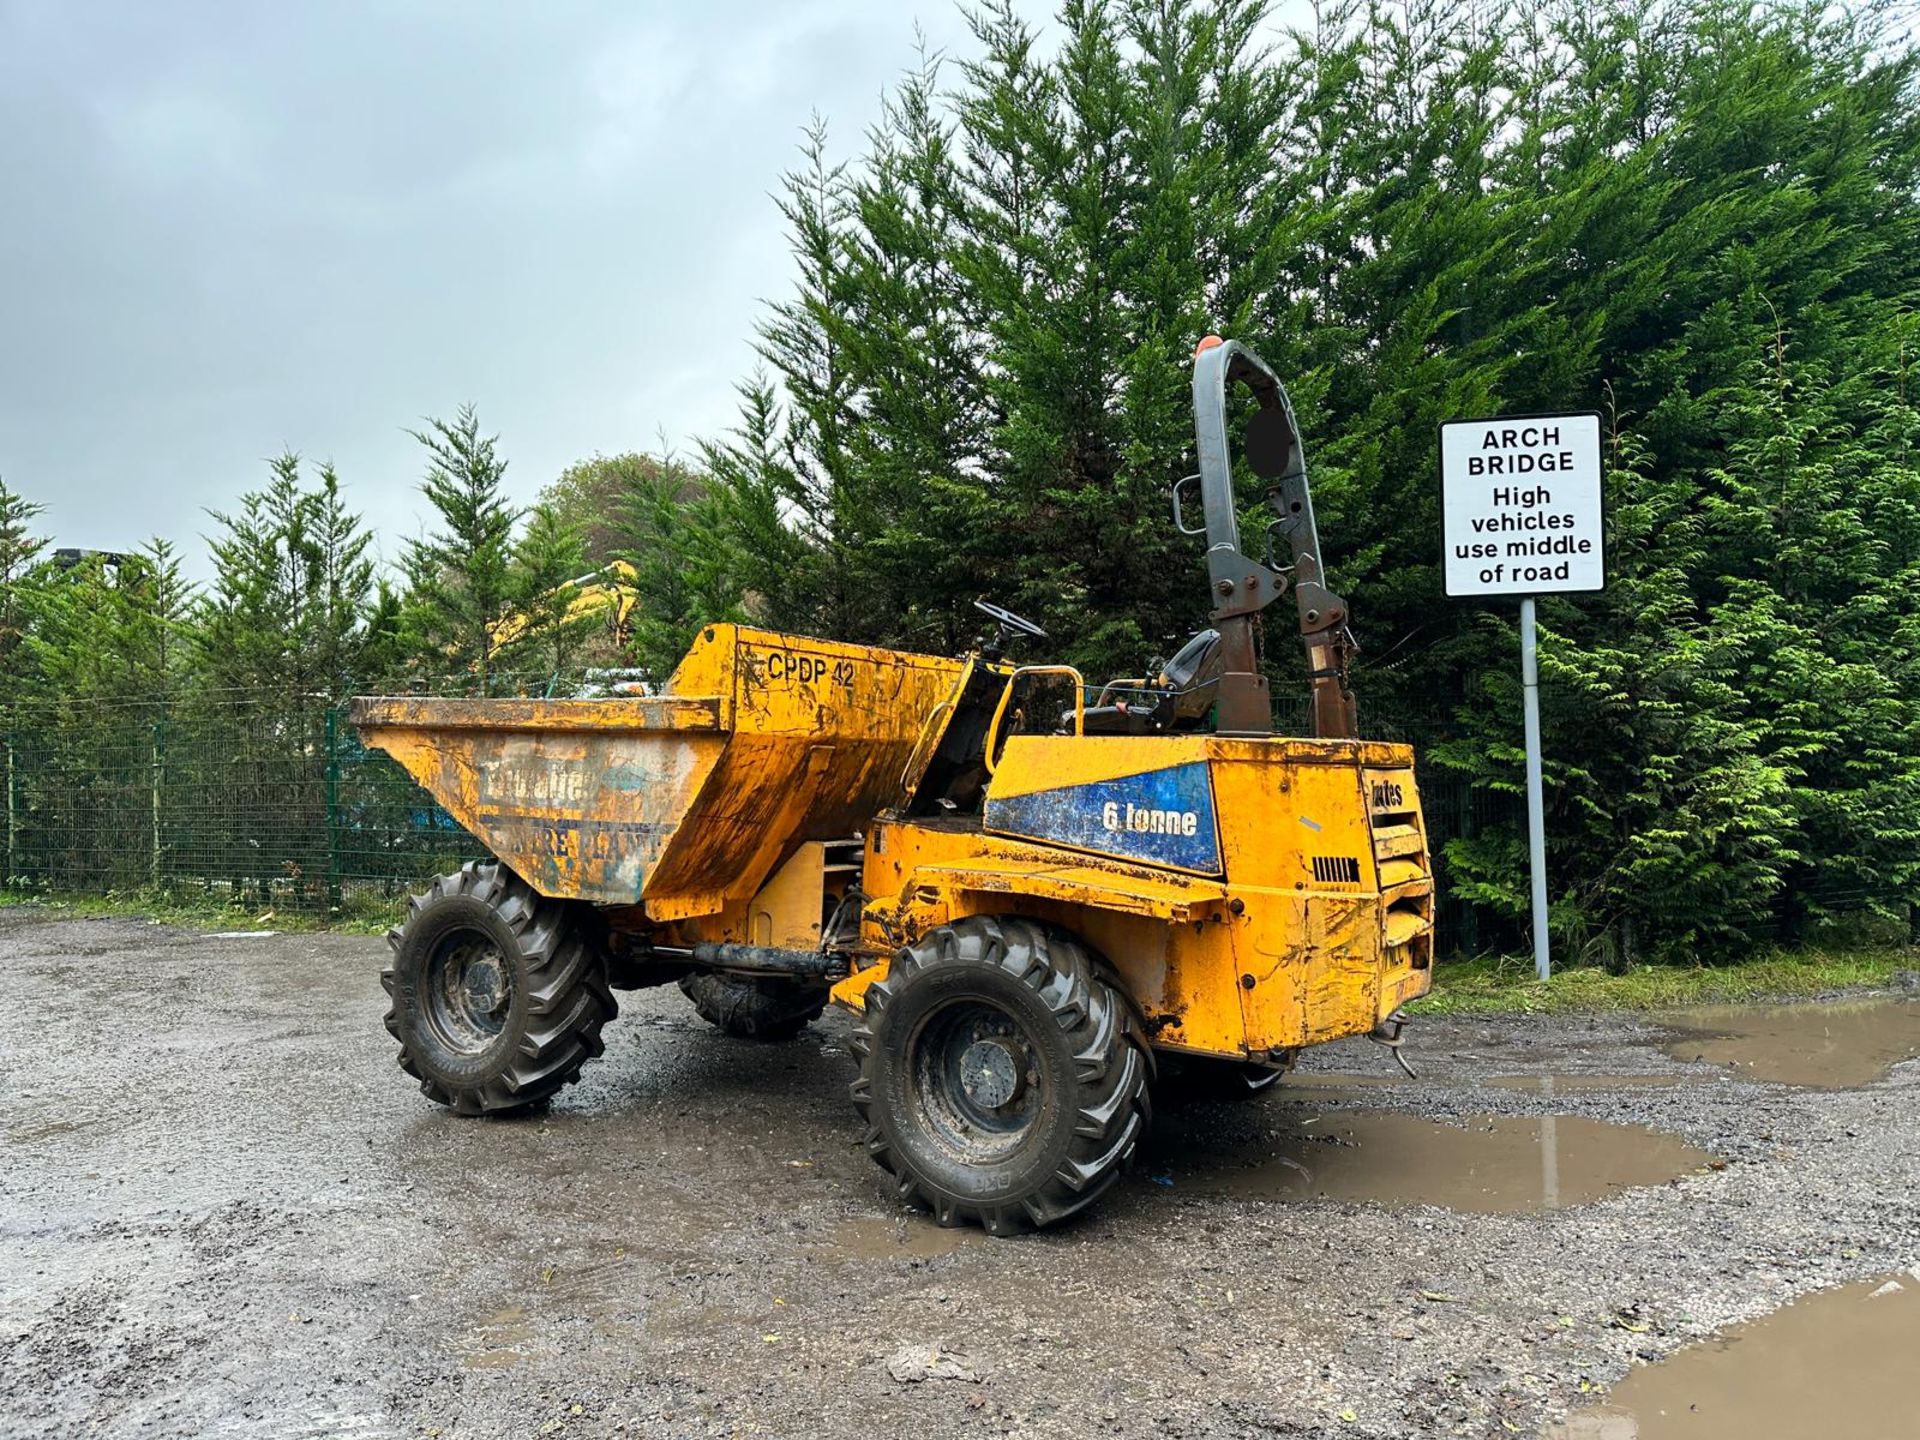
x=1284 y=899
x=1255 y=895
x=1019 y=901
x=684 y=803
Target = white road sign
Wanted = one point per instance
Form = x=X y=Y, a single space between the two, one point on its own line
x=1520 y=500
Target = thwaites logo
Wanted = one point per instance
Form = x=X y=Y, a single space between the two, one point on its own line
x=809 y=669
x=536 y=780
x=1388 y=795
x=1126 y=817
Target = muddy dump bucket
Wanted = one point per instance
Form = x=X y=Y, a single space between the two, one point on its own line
x=683 y=801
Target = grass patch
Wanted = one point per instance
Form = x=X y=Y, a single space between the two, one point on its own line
x=1505 y=985
x=1488 y=985
x=207 y=912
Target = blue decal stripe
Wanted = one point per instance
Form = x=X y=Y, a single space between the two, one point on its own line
x=1159 y=817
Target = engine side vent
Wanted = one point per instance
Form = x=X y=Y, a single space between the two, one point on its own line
x=1336 y=870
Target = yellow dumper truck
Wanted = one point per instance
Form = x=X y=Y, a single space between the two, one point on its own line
x=1021 y=913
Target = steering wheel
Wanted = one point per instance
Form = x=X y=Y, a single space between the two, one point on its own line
x=1007 y=620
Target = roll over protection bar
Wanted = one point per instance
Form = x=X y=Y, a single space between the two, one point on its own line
x=1241 y=586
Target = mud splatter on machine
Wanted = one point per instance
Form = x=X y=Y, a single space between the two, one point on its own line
x=1025 y=923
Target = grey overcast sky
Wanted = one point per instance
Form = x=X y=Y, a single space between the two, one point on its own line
x=229 y=229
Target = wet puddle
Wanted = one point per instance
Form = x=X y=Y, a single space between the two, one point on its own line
x=499 y=1342
x=681 y=1322
x=1838 y=1363
x=1583 y=1084
x=1323 y=1081
x=876 y=1236
x=1493 y=1165
x=1834 y=1046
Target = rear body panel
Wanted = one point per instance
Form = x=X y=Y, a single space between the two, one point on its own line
x=1256 y=895
x=1148 y=799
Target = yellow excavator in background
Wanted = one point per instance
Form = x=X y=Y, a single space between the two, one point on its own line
x=606 y=596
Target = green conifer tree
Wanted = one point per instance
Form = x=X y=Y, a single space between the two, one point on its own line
x=460 y=575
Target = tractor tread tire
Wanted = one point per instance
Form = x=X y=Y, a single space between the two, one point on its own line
x=764 y=1010
x=568 y=999
x=1112 y=1062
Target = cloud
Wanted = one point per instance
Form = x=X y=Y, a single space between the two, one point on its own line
x=234 y=228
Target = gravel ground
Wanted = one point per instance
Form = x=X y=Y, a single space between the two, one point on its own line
x=223 y=1211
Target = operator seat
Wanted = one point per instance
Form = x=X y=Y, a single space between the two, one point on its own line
x=1177 y=698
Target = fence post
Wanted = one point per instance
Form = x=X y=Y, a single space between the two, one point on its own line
x=159 y=760
x=13 y=819
x=1469 y=913
x=333 y=809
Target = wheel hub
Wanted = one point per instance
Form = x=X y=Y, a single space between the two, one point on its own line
x=990 y=1073
x=469 y=992
x=485 y=984
x=977 y=1085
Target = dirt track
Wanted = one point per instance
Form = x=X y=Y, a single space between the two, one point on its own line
x=224 y=1211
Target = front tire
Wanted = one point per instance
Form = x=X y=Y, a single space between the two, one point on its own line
x=1004 y=1076
x=498 y=998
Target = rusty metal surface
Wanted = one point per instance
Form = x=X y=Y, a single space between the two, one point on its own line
x=1308 y=918
x=373 y=713
x=685 y=801
x=1320 y=925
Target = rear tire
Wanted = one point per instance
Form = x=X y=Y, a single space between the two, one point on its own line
x=1004 y=1076
x=765 y=1010
x=498 y=998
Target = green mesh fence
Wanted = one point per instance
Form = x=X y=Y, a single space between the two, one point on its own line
x=268 y=801
x=263 y=801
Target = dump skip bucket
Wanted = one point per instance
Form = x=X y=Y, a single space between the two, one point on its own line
x=684 y=801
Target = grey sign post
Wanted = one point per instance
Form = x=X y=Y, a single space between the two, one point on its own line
x=1521 y=513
